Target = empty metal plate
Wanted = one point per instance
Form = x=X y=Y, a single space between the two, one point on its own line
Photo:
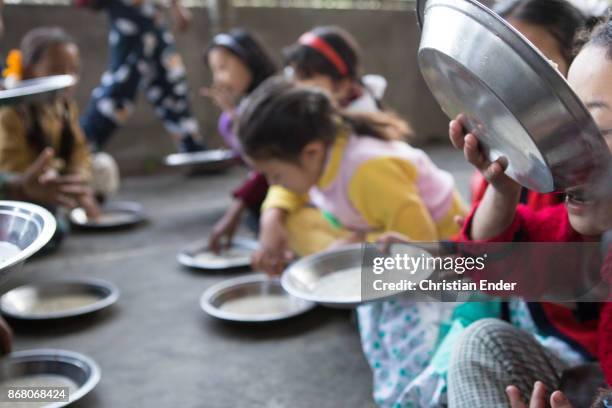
x=252 y=298
x=515 y=102
x=58 y=299
x=49 y=368
x=24 y=229
x=334 y=278
x=236 y=256
x=38 y=89
x=118 y=214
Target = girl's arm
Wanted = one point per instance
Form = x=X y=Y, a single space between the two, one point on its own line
x=497 y=209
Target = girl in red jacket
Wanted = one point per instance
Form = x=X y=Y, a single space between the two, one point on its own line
x=493 y=355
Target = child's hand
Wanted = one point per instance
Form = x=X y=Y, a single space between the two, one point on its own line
x=274 y=254
x=538 y=398
x=493 y=172
x=223 y=98
x=89 y=203
x=498 y=206
x=42 y=185
x=224 y=230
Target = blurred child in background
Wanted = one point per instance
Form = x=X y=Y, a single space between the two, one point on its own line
x=29 y=130
x=239 y=63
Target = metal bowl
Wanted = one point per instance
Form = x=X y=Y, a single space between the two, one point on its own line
x=203 y=161
x=304 y=278
x=73 y=369
x=125 y=214
x=229 y=299
x=195 y=258
x=38 y=89
x=58 y=299
x=515 y=102
x=24 y=229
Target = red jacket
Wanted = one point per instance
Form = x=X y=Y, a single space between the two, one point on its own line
x=591 y=335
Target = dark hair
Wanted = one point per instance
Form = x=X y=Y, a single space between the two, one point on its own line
x=308 y=62
x=33 y=47
x=602 y=36
x=561 y=19
x=280 y=118
x=37 y=41
x=251 y=51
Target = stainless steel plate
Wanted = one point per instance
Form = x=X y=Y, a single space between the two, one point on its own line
x=252 y=299
x=39 y=89
x=334 y=278
x=237 y=256
x=24 y=229
x=516 y=103
x=116 y=214
x=207 y=160
x=58 y=299
x=50 y=367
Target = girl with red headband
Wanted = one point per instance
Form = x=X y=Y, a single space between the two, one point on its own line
x=327 y=58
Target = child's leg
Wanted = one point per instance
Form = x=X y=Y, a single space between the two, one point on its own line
x=399 y=338
x=112 y=102
x=492 y=355
x=167 y=90
x=309 y=232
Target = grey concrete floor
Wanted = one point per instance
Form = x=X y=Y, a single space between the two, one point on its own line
x=156 y=348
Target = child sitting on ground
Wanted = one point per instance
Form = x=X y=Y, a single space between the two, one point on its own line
x=28 y=129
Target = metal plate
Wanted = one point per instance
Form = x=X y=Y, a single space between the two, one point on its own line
x=58 y=299
x=24 y=229
x=204 y=161
x=243 y=248
x=118 y=214
x=38 y=89
x=50 y=367
x=252 y=299
x=516 y=103
x=333 y=278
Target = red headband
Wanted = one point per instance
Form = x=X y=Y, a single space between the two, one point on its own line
x=318 y=44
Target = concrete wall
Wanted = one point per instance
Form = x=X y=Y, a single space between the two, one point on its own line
x=389 y=40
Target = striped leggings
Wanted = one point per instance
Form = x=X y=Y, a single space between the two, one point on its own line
x=493 y=354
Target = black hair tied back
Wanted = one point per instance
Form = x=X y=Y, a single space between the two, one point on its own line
x=280 y=118
x=560 y=18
